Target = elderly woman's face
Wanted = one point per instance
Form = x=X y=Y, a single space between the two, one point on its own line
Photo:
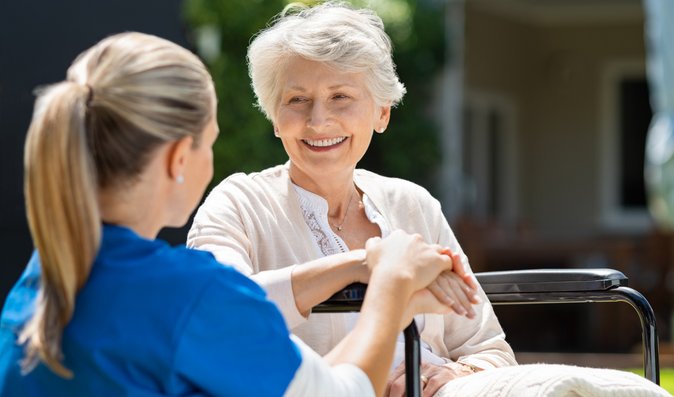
x=326 y=118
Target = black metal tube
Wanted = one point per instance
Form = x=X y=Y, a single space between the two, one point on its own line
x=412 y=361
x=619 y=294
x=648 y=329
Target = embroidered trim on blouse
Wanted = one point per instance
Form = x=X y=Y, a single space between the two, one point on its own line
x=315 y=212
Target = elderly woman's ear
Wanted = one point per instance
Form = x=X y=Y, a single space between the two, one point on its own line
x=384 y=117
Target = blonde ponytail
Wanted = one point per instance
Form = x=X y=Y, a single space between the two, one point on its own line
x=63 y=216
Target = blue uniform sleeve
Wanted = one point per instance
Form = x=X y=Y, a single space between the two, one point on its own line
x=236 y=342
x=18 y=307
x=20 y=302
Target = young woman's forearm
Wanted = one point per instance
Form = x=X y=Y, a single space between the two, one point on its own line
x=314 y=282
x=371 y=344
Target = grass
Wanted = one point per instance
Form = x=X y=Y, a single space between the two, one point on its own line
x=666 y=377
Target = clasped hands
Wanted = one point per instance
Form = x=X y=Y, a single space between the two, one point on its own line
x=442 y=283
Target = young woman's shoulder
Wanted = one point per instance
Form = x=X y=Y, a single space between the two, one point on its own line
x=204 y=268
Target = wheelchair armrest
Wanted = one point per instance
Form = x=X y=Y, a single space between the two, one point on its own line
x=550 y=280
x=537 y=280
x=351 y=293
x=348 y=299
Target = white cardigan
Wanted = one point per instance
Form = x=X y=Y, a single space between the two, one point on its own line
x=254 y=223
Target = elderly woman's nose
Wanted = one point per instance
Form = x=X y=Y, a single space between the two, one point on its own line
x=318 y=115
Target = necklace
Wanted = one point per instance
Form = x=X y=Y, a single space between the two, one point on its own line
x=339 y=227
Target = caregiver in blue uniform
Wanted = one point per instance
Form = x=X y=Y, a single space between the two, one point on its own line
x=115 y=152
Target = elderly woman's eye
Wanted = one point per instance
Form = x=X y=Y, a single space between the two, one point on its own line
x=297 y=99
x=340 y=96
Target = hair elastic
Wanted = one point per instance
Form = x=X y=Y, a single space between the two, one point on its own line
x=90 y=95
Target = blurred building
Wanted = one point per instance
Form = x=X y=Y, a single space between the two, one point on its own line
x=555 y=110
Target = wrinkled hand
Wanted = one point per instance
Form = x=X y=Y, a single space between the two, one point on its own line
x=452 y=290
x=437 y=376
x=456 y=288
x=460 y=268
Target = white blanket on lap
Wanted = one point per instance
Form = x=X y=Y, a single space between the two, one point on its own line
x=551 y=380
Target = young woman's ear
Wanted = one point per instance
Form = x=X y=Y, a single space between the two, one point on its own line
x=178 y=156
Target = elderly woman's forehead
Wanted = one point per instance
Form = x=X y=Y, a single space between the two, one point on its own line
x=299 y=68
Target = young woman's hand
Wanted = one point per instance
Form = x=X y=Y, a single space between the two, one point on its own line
x=423 y=301
x=406 y=258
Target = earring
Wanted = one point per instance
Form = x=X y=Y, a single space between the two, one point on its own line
x=180 y=179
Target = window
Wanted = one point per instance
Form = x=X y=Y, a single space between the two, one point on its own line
x=626 y=117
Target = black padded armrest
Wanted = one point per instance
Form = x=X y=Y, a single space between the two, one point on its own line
x=348 y=299
x=351 y=293
x=538 y=280
x=549 y=280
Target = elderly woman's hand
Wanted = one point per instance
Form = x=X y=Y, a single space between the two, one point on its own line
x=452 y=290
x=456 y=288
x=460 y=268
x=433 y=377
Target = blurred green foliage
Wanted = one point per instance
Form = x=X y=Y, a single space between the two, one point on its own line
x=221 y=31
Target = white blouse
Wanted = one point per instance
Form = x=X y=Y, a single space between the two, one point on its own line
x=315 y=211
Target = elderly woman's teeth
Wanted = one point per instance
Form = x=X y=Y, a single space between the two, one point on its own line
x=324 y=142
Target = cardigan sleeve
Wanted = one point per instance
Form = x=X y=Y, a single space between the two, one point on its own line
x=479 y=341
x=219 y=227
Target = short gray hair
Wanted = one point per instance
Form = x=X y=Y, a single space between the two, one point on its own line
x=348 y=39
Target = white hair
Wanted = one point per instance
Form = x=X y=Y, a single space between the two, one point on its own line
x=348 y=39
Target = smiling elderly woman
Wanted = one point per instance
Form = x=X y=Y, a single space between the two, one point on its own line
x=325 y=78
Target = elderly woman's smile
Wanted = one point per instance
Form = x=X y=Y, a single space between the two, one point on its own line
x=324 y=144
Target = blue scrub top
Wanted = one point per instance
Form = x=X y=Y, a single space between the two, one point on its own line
x=155 y=320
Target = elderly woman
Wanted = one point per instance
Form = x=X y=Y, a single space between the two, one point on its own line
x=325 y=78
